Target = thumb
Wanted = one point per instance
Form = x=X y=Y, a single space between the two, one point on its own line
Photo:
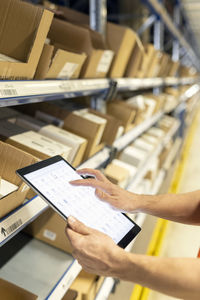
x=78 y=226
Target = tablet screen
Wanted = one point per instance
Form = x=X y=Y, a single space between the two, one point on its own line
x=52 y=182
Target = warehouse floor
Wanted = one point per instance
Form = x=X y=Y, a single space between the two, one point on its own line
x=186 y=237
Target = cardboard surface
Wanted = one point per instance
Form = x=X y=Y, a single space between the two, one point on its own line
x=133 y=156
x=9 y=164
x=86 y=285
x=136 y=58
x=50 y=228
x=123 y=112
x=121 y=41
x=22 y=40
x=38 y=145
x=79 y=39
x=78 y=144
x=9 y=291
x=58 y=63
x=117 y=174
x=112 y=127
x=87 y=129
x=147 y=60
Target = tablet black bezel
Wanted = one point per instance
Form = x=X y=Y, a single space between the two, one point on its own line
x=44 y=163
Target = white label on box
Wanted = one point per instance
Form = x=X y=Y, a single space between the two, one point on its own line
x=49 y=235
x=68 y=70
x=7 y=58
x=105 y=61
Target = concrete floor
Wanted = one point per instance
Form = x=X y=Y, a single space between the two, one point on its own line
x=186 y=237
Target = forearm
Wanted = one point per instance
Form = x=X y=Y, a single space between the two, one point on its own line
x=184 y=208
x=177 y=277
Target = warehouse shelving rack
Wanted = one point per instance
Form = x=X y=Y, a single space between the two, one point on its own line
x=25 y=92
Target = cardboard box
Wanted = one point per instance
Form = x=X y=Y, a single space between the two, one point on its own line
x=78 y=39
x=95 y=119
x=133 y=156
x=151 y=139
x=147 y=60
x=86 y=285
x=123 y=112
x=137 y=102
x=50 y=228
x=9 y=164
x=117 y=174
x=130 y=168
x=38 y=145
x=22 y=41
x=9 y=291
x=174 y=68
x=58 y=63
x=88 y=129
x=27 y=122
x=113 y=128
x=154 y=67
x=153 y=171
x=121 y=40
x=136 y=58
x=164 y=65
x=142 y=144
x=157 y=132
x=8 y=129
x=78 y=144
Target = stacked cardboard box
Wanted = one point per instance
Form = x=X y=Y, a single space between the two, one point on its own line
x=79 y=39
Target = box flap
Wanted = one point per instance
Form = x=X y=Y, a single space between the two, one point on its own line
x=12 y=159
x=44 y=62
x=70 y=35
x=16 y=37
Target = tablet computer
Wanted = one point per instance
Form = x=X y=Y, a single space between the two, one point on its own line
x=50 y=180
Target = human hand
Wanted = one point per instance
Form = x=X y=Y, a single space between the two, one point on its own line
x=109 y=192
x=95 y=251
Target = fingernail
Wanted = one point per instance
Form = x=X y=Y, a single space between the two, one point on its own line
x=71 y=220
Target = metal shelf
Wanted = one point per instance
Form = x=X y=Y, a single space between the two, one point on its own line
x=20 y=218
x=145 y=166
x=32 y=91
x=133 y=84
x=162 y=13
x=42 y=270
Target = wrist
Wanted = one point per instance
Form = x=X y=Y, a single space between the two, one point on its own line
x=142 y=203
